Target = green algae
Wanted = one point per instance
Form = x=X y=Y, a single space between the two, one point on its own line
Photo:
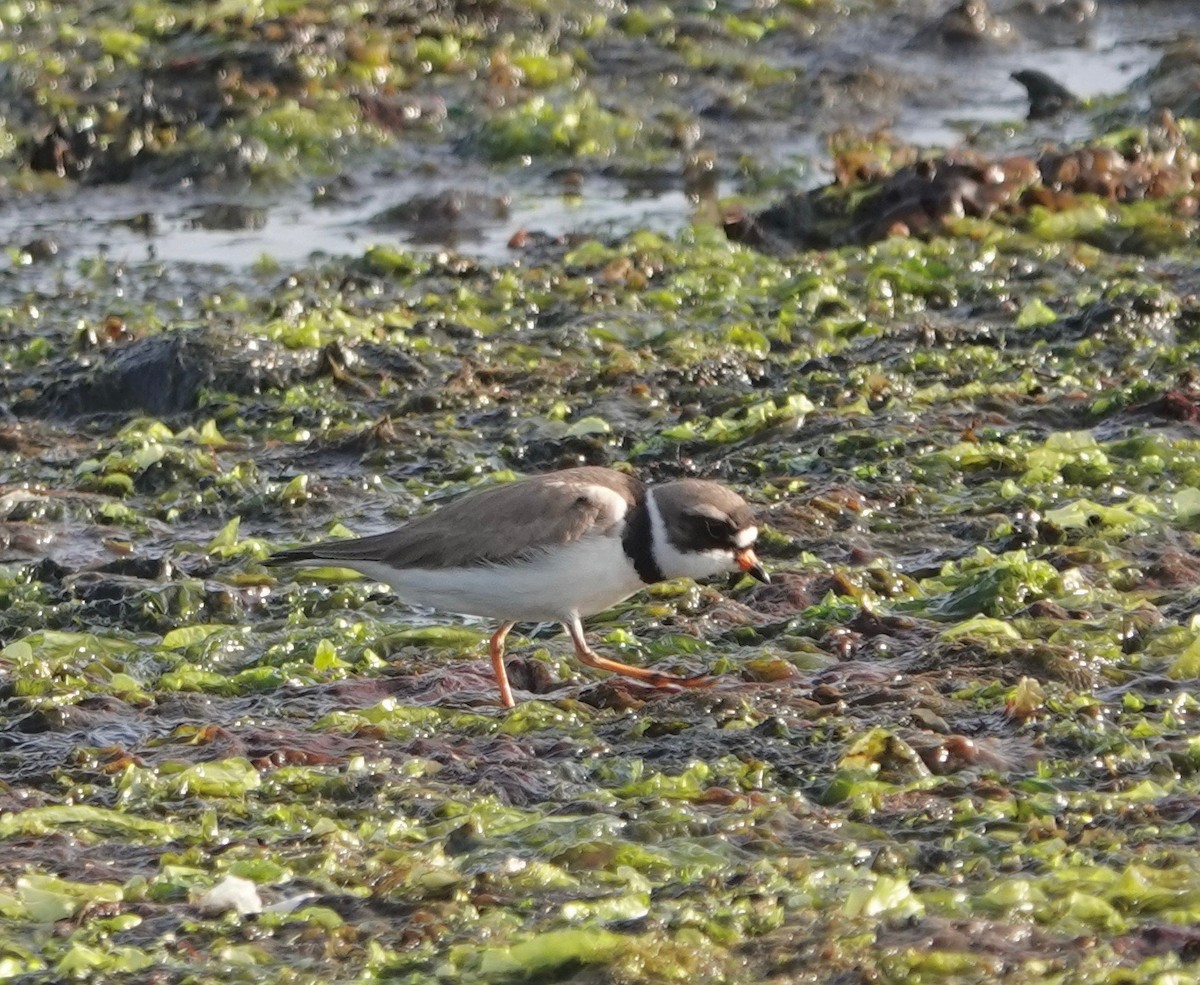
x=955 y=740
x=579 y=127
x=303 y=88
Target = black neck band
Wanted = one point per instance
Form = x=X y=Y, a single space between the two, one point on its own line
x=638 y=542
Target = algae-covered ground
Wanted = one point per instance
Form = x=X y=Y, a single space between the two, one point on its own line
x=954 y=740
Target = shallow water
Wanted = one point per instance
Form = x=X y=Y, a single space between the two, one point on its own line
x=937 y=96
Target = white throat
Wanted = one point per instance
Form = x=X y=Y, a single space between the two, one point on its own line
x=674 y=563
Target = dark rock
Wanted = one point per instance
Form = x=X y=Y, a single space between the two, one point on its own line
x=444 y=215
x=64 y=149
x=972 y=22
x=233 y=216
x=1047 y=98
x=160 y=375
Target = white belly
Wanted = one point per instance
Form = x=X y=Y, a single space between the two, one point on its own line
x=580 y=579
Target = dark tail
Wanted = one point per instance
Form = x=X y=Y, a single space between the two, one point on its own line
x=297 y=555
x=333 y=552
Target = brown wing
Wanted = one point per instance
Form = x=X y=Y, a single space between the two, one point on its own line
x=494 y=526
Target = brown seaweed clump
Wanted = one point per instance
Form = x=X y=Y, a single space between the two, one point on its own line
x=874 y=196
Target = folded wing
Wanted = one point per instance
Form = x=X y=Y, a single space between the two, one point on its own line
x=499 y=525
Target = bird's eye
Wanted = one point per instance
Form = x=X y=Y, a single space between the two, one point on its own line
x=716 y=529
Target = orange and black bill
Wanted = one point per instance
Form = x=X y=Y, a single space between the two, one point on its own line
x=749 y=563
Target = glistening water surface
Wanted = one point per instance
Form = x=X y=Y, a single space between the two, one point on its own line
x=882 y=68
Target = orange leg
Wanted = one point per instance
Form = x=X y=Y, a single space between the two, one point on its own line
x=655 y=678
x=496 y=649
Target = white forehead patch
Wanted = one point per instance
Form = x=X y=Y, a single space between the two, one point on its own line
x=746 y=537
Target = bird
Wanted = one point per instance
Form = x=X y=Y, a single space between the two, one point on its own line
x=555 y=547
